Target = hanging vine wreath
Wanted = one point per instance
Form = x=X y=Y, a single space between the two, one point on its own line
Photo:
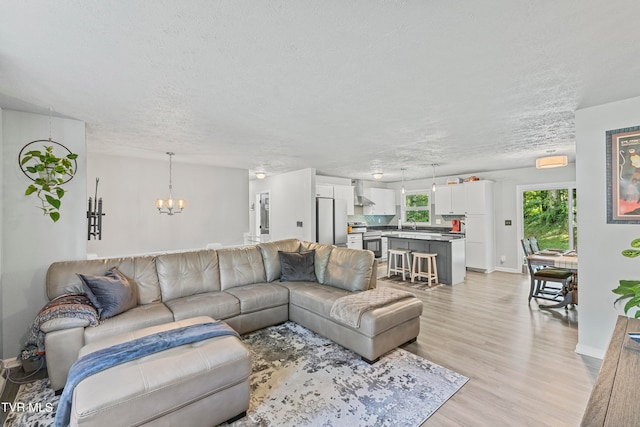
x=49 y=165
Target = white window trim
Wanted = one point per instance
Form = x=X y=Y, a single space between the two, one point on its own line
x=417 y=208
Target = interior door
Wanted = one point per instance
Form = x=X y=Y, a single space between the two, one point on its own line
x=263 y=216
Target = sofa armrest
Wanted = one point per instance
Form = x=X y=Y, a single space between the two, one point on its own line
x=61 y=350
x=374 y=276
x=61 y=323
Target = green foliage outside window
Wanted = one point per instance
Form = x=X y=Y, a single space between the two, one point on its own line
x=417 y=208
x=413 y=200
x=418 y=216
x=545 y=214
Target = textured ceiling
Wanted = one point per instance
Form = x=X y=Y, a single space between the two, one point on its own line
x=345 y=87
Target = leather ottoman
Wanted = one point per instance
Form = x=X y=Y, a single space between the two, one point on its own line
x=201 y=384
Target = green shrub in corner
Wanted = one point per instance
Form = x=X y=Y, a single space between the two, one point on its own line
x=630 y=289
x=52 y=172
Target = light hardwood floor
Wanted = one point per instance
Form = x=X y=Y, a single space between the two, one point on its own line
x=520 y=360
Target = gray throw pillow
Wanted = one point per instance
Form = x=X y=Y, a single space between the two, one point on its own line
x=297 y=266
x=110 y=294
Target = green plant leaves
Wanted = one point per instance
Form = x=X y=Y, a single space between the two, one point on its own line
x=629 y=289
x=630 y=253
x=51 y=172
x=53 y=201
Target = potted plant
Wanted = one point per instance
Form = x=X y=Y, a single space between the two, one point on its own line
x=630 y=289
x=50 y=172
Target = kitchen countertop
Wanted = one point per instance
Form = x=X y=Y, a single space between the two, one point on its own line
x=418 y=235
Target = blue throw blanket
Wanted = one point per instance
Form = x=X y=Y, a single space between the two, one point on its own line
x=111 y=356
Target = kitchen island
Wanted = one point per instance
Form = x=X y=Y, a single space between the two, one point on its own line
x=450 y=250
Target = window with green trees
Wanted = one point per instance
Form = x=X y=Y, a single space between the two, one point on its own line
x=550 y=216
x=417 y=207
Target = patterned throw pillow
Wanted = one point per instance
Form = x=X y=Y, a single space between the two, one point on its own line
x=111 y=294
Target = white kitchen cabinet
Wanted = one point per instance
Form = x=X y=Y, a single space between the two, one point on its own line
x=480 y=242
x=385 y=247
x=345 y=192
x=323 y=190
x=450 y=200
x=384 y=199
x=354 y=241
x=479 y=197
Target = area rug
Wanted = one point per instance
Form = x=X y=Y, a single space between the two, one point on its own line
x=302 y=379
x=397 y=280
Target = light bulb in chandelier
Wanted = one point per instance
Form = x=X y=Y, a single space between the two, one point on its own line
x=433 y=186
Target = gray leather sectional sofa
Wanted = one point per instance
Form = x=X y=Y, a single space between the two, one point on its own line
x=237 y=285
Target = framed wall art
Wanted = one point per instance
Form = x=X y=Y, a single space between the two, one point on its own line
x=623 y=175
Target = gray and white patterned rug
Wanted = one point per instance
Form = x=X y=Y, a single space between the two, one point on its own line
x=302 y=379
x=397 y=282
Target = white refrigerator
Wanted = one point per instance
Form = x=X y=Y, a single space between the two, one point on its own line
x=331 y=221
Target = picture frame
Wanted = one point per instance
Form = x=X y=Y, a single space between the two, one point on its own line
x=623 y=175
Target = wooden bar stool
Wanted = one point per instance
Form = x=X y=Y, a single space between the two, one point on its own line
x=405 y=263
x=432 y=268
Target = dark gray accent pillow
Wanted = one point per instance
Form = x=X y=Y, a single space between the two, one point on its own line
x=110 y=294
x=297 y=266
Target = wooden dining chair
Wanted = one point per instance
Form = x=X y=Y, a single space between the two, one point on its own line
x=541 y=277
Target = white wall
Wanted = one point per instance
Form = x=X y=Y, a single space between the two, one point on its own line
x=292 y=199
x=31 y=241
x=216 y=211
x=600 y=263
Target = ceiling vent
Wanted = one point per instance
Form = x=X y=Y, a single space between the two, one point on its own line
x=361 y=200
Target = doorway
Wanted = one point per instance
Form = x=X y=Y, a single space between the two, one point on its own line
x=262 y=216
x=548 y=213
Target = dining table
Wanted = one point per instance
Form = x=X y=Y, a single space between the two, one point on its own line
x=565 y=259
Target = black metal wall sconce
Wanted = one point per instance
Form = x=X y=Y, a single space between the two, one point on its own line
x=94 y=216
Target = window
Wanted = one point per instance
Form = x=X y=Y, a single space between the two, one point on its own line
x=417 y=207
x=550 y=215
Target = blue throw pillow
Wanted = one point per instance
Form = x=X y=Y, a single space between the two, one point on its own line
x=297 y=266
x=110 y=294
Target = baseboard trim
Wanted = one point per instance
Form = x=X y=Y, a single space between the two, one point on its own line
x=6 y=366
x=590 y=351
x=11 y=363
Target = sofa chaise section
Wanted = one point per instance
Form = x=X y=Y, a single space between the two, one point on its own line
x=381 y=329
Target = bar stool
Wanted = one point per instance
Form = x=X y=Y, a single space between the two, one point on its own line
x=405 y=263
x=432 y=268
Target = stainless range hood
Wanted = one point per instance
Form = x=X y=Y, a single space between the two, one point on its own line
x=361 y=200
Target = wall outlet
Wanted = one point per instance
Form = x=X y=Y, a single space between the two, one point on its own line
x=507 y=222
x=438 y=221
x=299 y=224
